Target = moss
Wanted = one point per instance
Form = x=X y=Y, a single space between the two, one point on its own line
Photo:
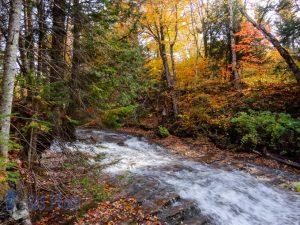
x=163 y=132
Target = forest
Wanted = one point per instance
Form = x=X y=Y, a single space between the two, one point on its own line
x=150 y=112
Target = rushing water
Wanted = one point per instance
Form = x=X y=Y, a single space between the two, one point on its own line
x=229 y=197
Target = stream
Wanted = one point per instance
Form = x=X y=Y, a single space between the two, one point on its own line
x=191 y=192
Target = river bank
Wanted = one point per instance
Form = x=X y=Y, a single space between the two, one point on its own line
x=204 y=151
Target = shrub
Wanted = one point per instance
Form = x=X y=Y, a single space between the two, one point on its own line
x=185 y=126
x=297 y=186
x=163 y=132
x=201 y=99
x=278 y=132
x=115 y=117
x=199 y=114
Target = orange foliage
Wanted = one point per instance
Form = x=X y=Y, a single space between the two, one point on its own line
x=252 y=45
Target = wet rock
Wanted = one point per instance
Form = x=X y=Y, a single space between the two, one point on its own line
x=178 y=212
x=197 y=220
x=161 y=201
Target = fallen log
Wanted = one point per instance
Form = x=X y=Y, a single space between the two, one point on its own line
x=287 y=162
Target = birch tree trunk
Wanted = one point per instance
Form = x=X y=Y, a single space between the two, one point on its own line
x=235 y=74
x=10 y=70
x=282 y=51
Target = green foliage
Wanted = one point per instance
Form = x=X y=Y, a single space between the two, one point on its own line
x=297 y=186
x=43 y=126
x=279 y=132
x=85 y=182
x=13 y=176
x=12 y=145
x=9 y=172
x=98 y=191
x=69 y=166
x=288 y=23
x=117 y=77
x=2 y=164
x=115 y=117
x=249 y=100
x=57 y=94
x=163 y=132
x=72 y=121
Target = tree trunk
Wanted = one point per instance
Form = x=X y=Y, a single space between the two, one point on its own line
x=196 y=39
x=23 y=56
x=42 y=45
x=172 y=44
x=173 y=91
x=168 y=77
x=173 y=64
x=10 y=70
x=175 y=105
x=163 y=54
x=58 y=41
x=170 y=82
x=282 y=51
x=76 y=55
x=29 y=33
x=58 y=64
x=235 y=76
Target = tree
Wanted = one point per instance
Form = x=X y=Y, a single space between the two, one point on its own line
x=288 y=24
x=172 y=44
x=58 y=69
x=252 y=47
x=282 y=51
x=235 y=75
x=195 y=33
x=76 y=53
x=10 y=70
x=158 y=24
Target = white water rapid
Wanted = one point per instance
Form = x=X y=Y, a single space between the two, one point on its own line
x=228 y=197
